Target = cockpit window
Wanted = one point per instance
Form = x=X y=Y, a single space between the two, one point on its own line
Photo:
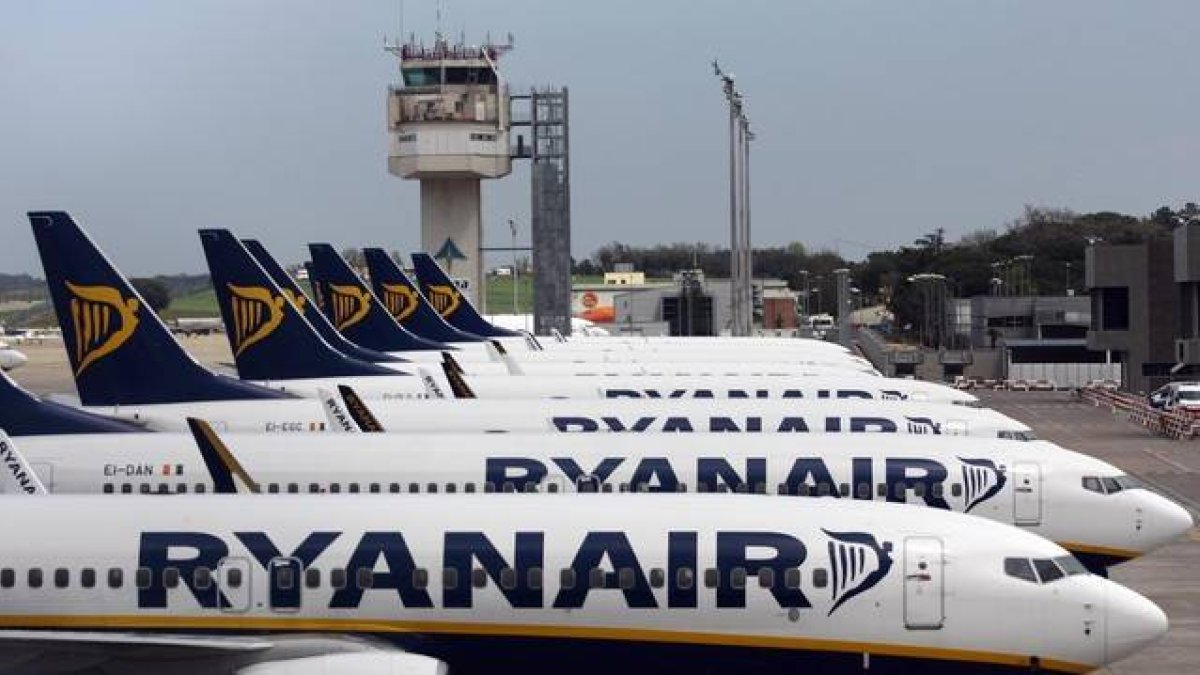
x=1111 y=484
x=1047 y=570
x=1071 y=565
x=1011 y=435
x=1020 y=568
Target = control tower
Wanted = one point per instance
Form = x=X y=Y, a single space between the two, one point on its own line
x=448 y=126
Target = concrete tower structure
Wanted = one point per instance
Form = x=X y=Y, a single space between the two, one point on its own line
x=448 y=127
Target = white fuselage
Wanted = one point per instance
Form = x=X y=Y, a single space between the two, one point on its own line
x=1034 y=485
x=615 y=581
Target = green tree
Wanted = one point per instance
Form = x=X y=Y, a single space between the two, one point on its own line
x=153 y=291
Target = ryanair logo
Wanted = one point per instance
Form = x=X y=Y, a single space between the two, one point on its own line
x=350 y=304
x=256 y=314
x=445 y=298
x=856 y=563
x=101 y=321
x=982 y=480
x=400 y=300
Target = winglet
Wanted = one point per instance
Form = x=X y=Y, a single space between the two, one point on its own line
x=510 y=363
x=358 y=410
x=19 y=477
x=433 y=389
x=458 y=385
x=335 y=413
x=221 y=463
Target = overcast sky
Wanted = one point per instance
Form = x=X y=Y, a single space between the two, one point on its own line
x=877 y=121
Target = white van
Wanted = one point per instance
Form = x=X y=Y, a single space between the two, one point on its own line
x=1184 y=395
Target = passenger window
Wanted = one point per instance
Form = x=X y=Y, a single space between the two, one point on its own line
x=781 y=489
x=8 y=578
x=171 y=577
x=450 y=578
x=35 y=577
x=202 y=578
x=657 y=577
x=820 y=577
x=273 y=488
x=375 y=488
x=685 y=579
x=822 y=489
x=607 y=487
x=420 y=578
x=766 y=577
x=451 y=488
x=682 y=486
x=337 y=578
x=144 y=488
x=1047 y=570
x=142 y=578
x=489 y=486
x=899 y=490
x=393 y=487
x=1020 y=568
x=62 y=578
x=956 y=489
x=596 y=578
x=293 y=488
x=201 y=488
x=864 y=490
x=626 y=578
x=844 y=489
x=108 y=488
x=313 y=488
x=364 y=577
x=508 y=578
x=508 y=486
x=335 y=488
x=737 y=578
x=550 y=487
x=433 y=488
x=882 y=491
x=116 y=577
x=233 y=578
x=354 y=488
x=126 y=488
x=414 y=487
x=710 y=577
x=937 y=490
x=919 y=490
x=181 y=488
x=87 y=577
x=479 y=577
x=535 y=578
x=566 y=578
x=469 y=488
x=791 y=578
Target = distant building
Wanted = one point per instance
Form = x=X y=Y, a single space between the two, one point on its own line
x=1146 y=307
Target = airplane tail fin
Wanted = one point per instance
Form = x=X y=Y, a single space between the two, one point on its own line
x=405 y=302
x=359 y=411
x=226 y=471
x=454 y=307
x=19 y=477
x=269 y=337
x=454 y=374
x=120 y=351
x=355 y=311
x=311 y=311
x=23 y=414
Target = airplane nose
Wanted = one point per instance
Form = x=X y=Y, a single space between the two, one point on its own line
x=1166 y=521
x=1132 y=623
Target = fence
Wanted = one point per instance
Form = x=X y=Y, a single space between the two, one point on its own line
x=1178 y=424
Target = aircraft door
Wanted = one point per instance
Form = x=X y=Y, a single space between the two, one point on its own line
x=923 y=600
x=283 y=575
x=1027 y=493
x=233 y=579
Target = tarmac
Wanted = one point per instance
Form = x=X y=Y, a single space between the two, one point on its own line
x=1170 y=576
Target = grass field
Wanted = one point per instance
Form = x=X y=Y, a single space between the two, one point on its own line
x=200 y=304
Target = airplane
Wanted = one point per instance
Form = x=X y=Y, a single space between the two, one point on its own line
x=233 y=266
x=1088 y=506
x=480 y=584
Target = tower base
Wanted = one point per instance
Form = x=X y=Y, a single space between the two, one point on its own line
x=451 y=228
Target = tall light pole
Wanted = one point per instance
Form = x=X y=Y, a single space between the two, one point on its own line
x=512 y=227
x=740 y=262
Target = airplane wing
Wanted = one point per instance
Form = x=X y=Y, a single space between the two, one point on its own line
x=69 y=652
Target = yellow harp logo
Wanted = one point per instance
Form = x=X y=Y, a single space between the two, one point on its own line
x=400 y=300
x=444 y=298
x=350 y=305
x=101 y=320
x=256 y=314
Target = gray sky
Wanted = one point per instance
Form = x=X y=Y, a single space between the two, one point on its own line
x=877 y=121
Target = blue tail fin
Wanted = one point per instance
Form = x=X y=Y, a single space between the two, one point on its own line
x=450 y=302
x=311 y=311
x=355 y=311
x=23 y=414
x=269 y=337
x=405 y=302
x=120 y=351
